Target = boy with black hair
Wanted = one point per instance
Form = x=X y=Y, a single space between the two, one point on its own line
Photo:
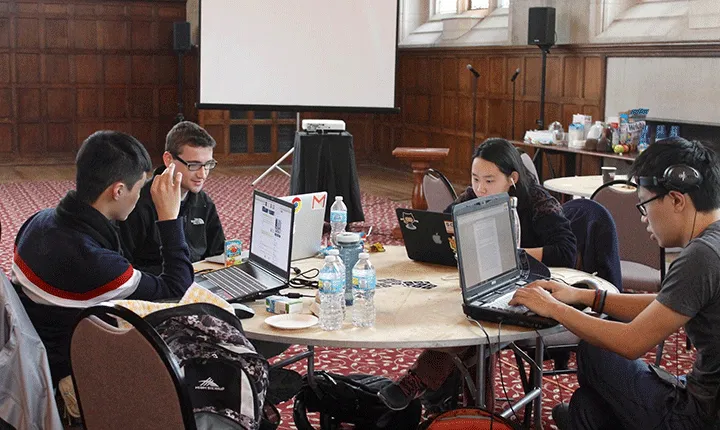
x=679 y=194
x=189 y=148
x=69 y=258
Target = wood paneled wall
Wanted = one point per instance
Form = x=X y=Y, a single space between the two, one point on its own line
x=435 y=96
x=70 y=67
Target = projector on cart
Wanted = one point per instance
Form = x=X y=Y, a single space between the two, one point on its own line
x=323 y=125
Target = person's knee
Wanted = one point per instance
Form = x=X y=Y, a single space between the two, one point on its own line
x=590 y=361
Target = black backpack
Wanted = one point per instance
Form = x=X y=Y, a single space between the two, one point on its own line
x=351 y=399
x=227 y=380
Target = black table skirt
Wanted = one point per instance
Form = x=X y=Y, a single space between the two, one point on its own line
x=326 y=162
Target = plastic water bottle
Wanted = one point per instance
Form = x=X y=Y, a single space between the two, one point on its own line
x=335 y=253
x=515 y=220
x=363 y=279
x=338 y=218
x=331 y=295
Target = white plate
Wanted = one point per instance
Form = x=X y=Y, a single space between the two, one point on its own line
x=292 y=321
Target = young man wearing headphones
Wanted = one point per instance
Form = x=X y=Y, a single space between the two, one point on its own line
x=679 y=198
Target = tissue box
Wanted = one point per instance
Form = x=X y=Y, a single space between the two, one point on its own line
x=283 y=305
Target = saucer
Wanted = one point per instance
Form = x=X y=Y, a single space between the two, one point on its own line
x=291 y=321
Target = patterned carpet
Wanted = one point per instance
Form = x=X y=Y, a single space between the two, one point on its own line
x=232 y=196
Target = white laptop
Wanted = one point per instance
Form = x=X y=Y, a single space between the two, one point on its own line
x=308 y=225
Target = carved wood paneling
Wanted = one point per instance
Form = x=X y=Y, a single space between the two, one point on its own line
x=69 y=68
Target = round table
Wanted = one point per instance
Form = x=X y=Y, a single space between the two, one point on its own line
x=583 y=186
x=413 y=318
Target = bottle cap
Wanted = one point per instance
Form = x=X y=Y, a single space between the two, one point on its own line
x=513 y=202
x=363 y=255
x=347 y=237
x=333 y=251
x=338 y=198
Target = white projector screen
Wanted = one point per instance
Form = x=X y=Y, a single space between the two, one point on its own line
x=301 y=55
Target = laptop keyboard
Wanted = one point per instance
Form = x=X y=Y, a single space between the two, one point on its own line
x=235 y=281
x=501 y=303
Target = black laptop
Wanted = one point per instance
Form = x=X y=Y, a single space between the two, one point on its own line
x=268 y=267
x=490 y=270
x=428 y=236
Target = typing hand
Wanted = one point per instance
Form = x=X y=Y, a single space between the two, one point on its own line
x=537 y=299
x=165 y=191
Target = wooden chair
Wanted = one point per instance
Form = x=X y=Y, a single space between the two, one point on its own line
x=439 y=193
x=126 y=378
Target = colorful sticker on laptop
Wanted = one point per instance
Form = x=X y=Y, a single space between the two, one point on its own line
x=297 y=202
x=409 y=219
x=318 y=201
x=449 y=227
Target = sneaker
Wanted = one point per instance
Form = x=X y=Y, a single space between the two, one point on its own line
x=67 y=391
x=398 y=395
x=561 y=415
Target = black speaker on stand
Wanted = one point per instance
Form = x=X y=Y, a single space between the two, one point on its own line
x=181 y=45
x=541 y=32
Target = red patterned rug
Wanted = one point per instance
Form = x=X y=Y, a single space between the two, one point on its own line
x=232 y=195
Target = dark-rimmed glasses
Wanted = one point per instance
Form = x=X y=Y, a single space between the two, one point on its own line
x=194 y=167
x=641 y=206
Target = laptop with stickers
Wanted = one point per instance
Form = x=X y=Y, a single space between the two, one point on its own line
x=428 y=236
x=308 y=224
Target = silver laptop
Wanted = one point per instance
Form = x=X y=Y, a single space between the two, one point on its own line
x=308 y=225
x=268 y=268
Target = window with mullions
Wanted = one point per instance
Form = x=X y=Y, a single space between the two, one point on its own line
x=479 y=4
x=261 y=132
x=445 y=7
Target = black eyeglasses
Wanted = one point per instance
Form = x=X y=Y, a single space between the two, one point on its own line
x=641 y=206
x=193 y=167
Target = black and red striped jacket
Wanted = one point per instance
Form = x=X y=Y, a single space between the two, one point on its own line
x=69 y=258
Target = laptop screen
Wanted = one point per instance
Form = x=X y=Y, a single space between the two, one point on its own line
x=271 y=235
x=485 y=243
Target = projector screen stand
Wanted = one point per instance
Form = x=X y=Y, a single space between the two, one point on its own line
x=276 y=165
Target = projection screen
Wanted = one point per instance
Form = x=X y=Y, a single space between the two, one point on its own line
x=308 y=55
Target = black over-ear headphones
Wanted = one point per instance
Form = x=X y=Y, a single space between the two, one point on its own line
x=678 y=177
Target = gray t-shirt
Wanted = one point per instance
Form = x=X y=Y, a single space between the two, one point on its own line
x=692 y=288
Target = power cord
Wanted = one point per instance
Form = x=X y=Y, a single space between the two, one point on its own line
x=487 y=337
x=304 y=279
x=502 y=379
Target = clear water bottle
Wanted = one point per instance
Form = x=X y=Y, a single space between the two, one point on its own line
x=515 y=220
x=363 y=280
x=331 y=295
x=338 y=218
x=335 y=253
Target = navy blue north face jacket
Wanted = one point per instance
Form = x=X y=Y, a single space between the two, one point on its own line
x=69 y=258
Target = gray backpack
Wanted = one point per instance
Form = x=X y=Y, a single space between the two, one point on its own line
x=226 y=378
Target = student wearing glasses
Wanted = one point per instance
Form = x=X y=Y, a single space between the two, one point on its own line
x=190 y=149
x=679 y=200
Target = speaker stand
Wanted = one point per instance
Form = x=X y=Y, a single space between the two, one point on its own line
x=512 y=115
x=474 y=112
x=181 y=77
x=545 y=51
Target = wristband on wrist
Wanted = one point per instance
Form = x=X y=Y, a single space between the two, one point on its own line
x=601 y=302
x=596 y=300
